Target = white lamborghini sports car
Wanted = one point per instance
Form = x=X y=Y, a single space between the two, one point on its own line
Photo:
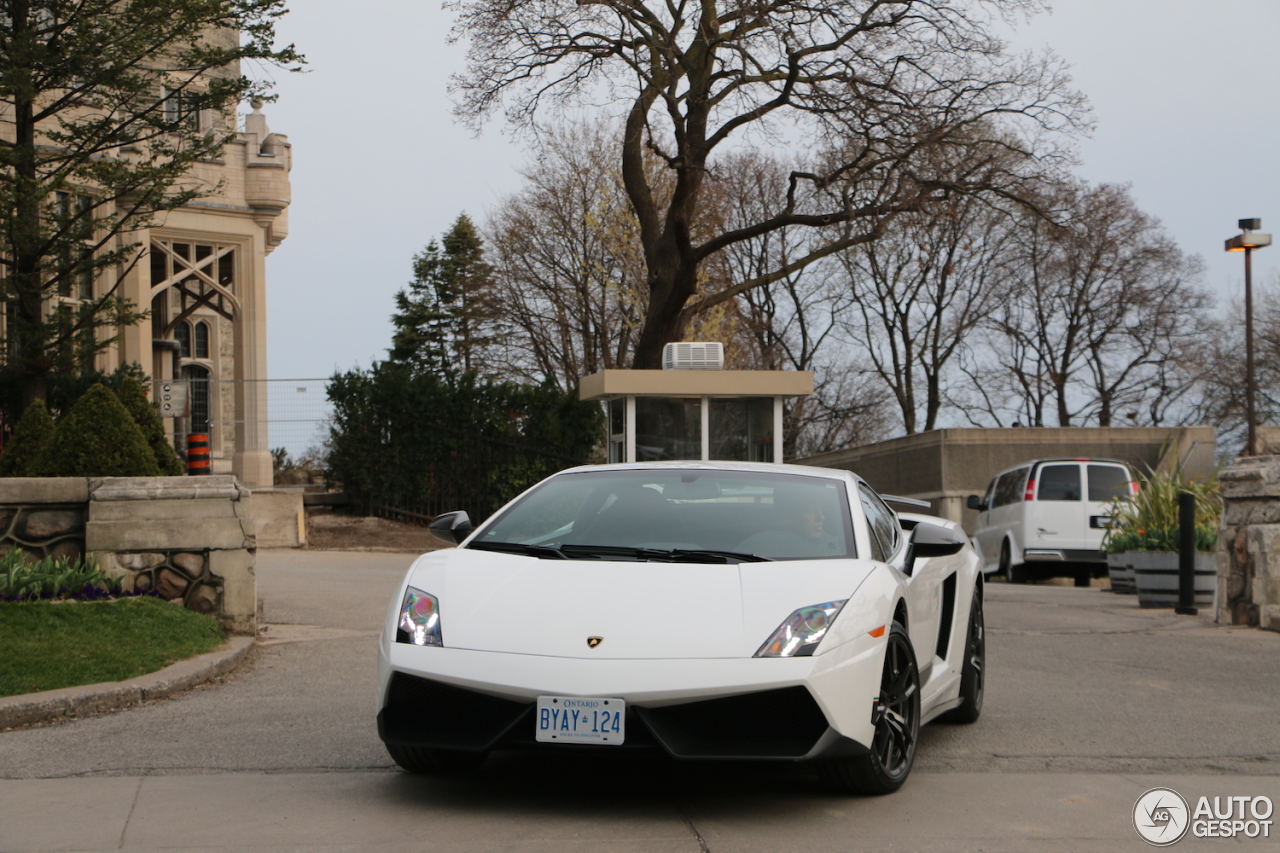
x=708 y=610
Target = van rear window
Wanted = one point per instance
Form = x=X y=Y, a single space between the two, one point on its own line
x=1107 y=482
x=1059 y=483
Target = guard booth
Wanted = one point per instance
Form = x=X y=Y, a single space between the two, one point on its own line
x=694 y=409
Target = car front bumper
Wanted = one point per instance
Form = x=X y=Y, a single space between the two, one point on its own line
x=759 y=708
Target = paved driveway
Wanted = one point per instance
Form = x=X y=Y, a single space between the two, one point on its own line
x=1090 y=702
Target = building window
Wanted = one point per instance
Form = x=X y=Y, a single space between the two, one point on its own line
x=73 y=215
x=182 y=334
x=191 y=278
x=202 y=340
x=198 y=388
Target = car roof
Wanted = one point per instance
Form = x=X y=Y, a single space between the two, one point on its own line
x=715 y=465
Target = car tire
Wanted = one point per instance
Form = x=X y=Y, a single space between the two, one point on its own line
x=973 y=673
x=435 y=762
x=886 y=765
x=1084 y=576
x=1012 y=573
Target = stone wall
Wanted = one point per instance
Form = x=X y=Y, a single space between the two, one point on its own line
x=190 y=539
x=44 y=517
x=1249 y=545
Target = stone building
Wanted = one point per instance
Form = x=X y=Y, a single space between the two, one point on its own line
x=204 y=277
x=202 y=274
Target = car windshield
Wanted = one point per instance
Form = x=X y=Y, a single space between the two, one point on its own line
x=671 y=513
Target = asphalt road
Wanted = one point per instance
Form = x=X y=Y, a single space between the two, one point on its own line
x=1090 y=702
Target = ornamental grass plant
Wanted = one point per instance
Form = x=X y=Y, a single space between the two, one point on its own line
x=1149 y=520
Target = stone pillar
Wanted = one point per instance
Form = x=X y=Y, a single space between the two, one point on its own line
x=135 y=340
x=187 y=538
x=1249 y=544
x=251 y=461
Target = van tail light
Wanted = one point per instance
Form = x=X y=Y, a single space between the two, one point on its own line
x=1134 y=487
x=1031 y=491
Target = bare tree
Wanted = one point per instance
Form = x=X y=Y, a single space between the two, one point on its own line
x=918 y=294
x=1102 y=318
x=1220 y=390
x=792 y=323
x=899 y=98
x=568 y=267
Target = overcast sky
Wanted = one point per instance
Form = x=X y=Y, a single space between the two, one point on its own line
x=1185 y=99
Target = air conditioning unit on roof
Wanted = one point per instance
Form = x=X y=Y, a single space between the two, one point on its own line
x=692 y=355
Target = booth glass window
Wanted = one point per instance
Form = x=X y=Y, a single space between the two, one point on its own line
x=668 y=428
x=741 y=429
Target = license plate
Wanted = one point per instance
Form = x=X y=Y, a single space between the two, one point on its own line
x=574 y=719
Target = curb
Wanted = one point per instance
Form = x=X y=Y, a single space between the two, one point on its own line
x=111 y=696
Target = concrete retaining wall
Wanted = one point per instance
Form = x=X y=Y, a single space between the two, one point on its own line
x=280 y=518
x=191 y=539
x=945 y=466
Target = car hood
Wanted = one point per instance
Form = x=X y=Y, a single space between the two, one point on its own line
x=507 y=603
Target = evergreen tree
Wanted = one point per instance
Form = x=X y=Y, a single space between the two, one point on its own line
x=97 y=438
x=108 y=104
x=446 y=321
x=145 y=416
x=30 y=437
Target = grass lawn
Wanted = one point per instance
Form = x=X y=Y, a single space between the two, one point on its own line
x=46 y=645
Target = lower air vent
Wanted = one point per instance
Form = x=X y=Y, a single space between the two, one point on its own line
x=428 y=713
x=784 y=723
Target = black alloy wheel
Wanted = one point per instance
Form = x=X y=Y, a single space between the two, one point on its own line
x=896 y=716
x=973 y=672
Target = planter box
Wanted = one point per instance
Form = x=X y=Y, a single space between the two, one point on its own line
x=1120 y=568
x=1156 y=577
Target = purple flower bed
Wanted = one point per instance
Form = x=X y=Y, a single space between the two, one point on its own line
x=87 y=593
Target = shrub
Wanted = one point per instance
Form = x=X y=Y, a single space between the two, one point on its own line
x=97 y=438
x=30 y=436
x=144 y=415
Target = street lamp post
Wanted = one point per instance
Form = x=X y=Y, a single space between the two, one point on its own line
x=1247 y=242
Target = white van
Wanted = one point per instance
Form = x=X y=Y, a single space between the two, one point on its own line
x=1047 y=517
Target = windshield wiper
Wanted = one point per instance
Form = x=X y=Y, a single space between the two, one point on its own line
x=729 y=556
x=595 y=552
x=675 y=555
x=542 y=552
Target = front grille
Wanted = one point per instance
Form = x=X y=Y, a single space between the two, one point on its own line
x=429 y=713
x=785 y=723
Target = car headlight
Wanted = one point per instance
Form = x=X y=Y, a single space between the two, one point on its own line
x=419 y=622
x=800 y=633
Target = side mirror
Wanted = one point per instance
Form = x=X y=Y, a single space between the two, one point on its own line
x=451 y=527
x=931 y=540
x=975 y=502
